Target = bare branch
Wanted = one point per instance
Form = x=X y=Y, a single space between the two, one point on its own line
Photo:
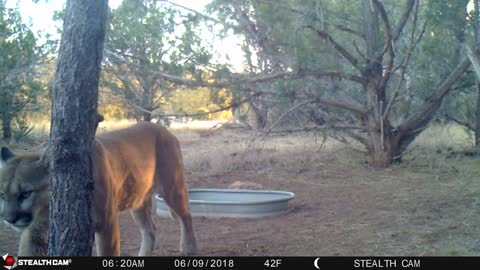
x=384 y=17
x=359 y=51
x=391 y=35
x=304 y=73
x=231 y=106
x=243 y=79
x=474 y=59
x=388 y=70
x=403 y=20
x=349 y=127
x=287 y=112
x=322 y=20
x=462 y=123
x=327 y=102
x=347 y=30
x=416 y=121
x=404 y=68
x=259 y=79
x=342 y=51
x=388 y=44
x=361 y=139
x=204 y=16
x=289 y=131
x=341 y=105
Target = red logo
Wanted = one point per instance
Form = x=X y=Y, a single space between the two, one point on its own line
x=9 y=261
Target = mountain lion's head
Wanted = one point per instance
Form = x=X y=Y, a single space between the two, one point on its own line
x=24 y=189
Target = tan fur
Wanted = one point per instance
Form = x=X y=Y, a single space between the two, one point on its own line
x=129 y=166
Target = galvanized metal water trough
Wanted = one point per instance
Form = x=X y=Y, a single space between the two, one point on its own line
x=233 y=203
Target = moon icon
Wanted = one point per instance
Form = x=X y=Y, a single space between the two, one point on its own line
x=315 y=263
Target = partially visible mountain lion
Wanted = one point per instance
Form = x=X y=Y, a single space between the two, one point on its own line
x=129 y=166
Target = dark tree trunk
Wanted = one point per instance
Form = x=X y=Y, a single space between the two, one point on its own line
x=74 y=122
x=385 y=143
x=147 y=116
x=477 y=119
x=379 y=146
x=7 y=126
x=7 y=116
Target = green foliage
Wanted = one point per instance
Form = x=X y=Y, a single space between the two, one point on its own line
x=441 y=49
x=446 y=29
x=112 y=112
x=186 y=101
x=146 y=38
x=21 y=128
x=18 y=55
x=385 y=62
x=280 y=34
x=200 y=101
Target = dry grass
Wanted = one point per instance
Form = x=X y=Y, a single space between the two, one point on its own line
x=452 y=184
x=428 y=205
x=228 y=151
x=431 y=199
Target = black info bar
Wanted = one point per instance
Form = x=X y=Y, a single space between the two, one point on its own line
x=250 y=263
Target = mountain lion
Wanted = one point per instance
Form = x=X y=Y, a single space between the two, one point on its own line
x=129 y=166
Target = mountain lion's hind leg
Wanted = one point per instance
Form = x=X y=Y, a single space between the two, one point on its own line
x=107 y=239
x=143 y=218
x=179 y=204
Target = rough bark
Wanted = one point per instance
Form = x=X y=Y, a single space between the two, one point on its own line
x=378 y=145
x=477 y=120
x=74 y=122
x=7 y=126
x=7 y=115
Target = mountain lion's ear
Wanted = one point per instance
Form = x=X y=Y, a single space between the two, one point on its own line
x=5 y=155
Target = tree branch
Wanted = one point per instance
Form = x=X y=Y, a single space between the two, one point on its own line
x=346 y=29
x=204 y=16
x=303 y=13
x=384 y=17
x=391 y=35
x=418 y=120
x=404 y=68
x=462 y=123
x=342 y=51
x=242 y=79
x=341 y=105
x=473 y=59
x=357 y=137
x=231 y=106
x=388 y=45
x=287 y=112
x=327 y=102
x=403 y=20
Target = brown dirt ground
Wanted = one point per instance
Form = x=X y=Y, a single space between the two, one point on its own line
x=342 y=207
